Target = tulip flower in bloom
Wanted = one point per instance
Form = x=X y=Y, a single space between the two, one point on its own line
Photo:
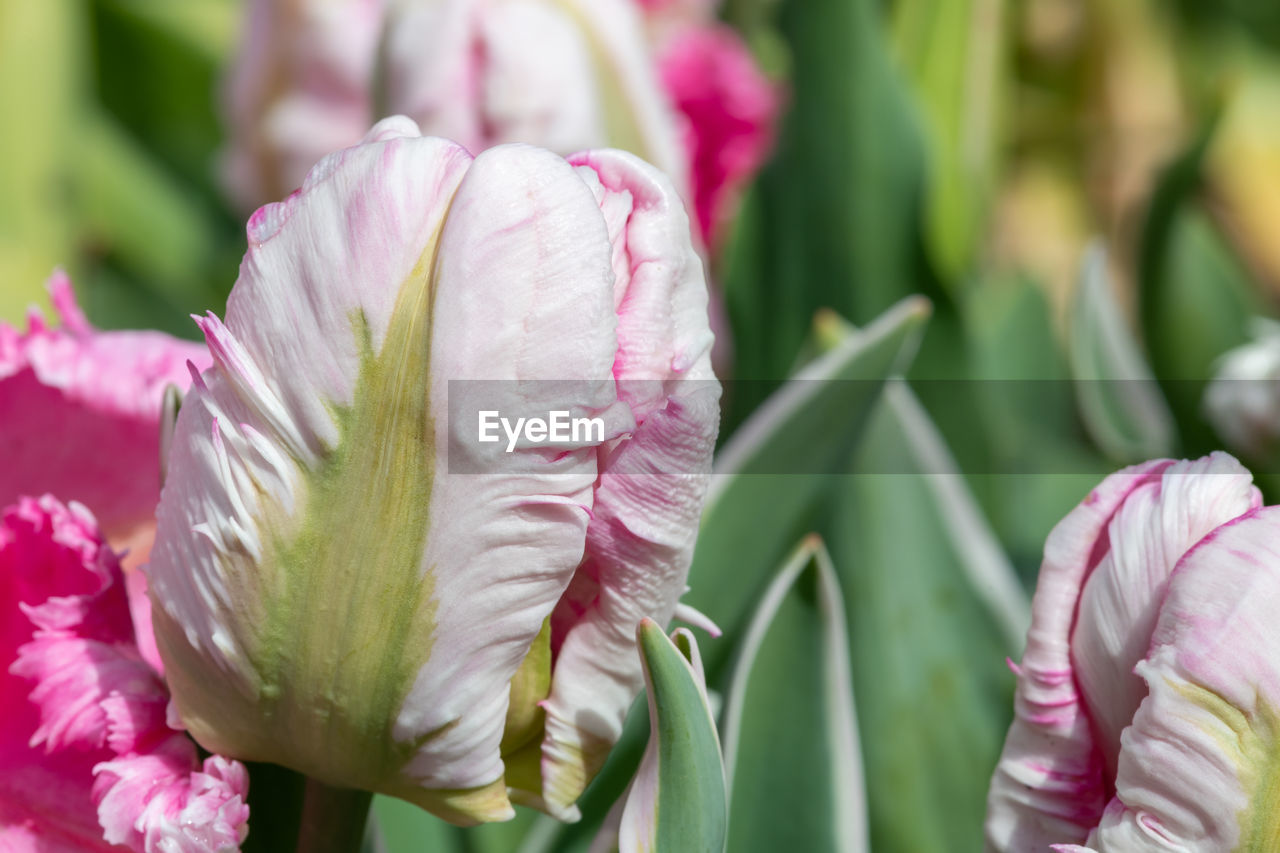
x=89 y=760
x=330 y=594
x=1147 y=698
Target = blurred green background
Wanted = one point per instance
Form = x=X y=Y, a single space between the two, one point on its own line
x=966 y=150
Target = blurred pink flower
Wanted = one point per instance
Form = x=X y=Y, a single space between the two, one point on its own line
x=301 y=86
x=729 y=108
x=89 y=761
x=1148 y=698
x=566 y=75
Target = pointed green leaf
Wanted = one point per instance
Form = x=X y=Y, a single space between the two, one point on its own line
x=934 y=608
x=790 y=729
x=1119 y=398
x=774 y=468
x=677 y=802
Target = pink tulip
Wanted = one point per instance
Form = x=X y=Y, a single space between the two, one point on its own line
x=333 y=592
x=89 y=760
x=1148 y=693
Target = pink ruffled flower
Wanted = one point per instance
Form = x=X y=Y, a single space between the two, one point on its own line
x=80 y=416
x=1148 y=700
x=89 y=761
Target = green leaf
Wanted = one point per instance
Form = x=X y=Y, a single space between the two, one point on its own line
x=934 y=609
x=40 y=94
x=790 y=728
x=770 y=476
x=1120 y=401
x=676 y=803
x=832 y=220
x=135 y=209
x=954 y=52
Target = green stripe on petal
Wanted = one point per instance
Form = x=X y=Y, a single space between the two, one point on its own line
x=347 y=601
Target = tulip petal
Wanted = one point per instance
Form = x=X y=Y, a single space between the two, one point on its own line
x=298 y=89
x=1048 y=786
x=524 y=285
x=243 y=506
x=81 y=410
x=651 y=489
x=565 y=76
x=1120 y=599
x=1198 y=765
x=156 y=802
x=729 y=108
x=45 y=799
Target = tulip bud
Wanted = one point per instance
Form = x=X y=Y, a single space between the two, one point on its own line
x=1107 y=592
x=1243 y=400
x=332 y=590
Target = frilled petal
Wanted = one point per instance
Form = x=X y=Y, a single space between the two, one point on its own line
x=651 y=488
x=95 y=697
x=330 y=594
x=81 y=414
x=1120 y=599
x=729 y=108
x=1198 y=765
x=157 y=801
x=49 y=554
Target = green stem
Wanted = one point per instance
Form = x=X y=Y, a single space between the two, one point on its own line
x=333 y=819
